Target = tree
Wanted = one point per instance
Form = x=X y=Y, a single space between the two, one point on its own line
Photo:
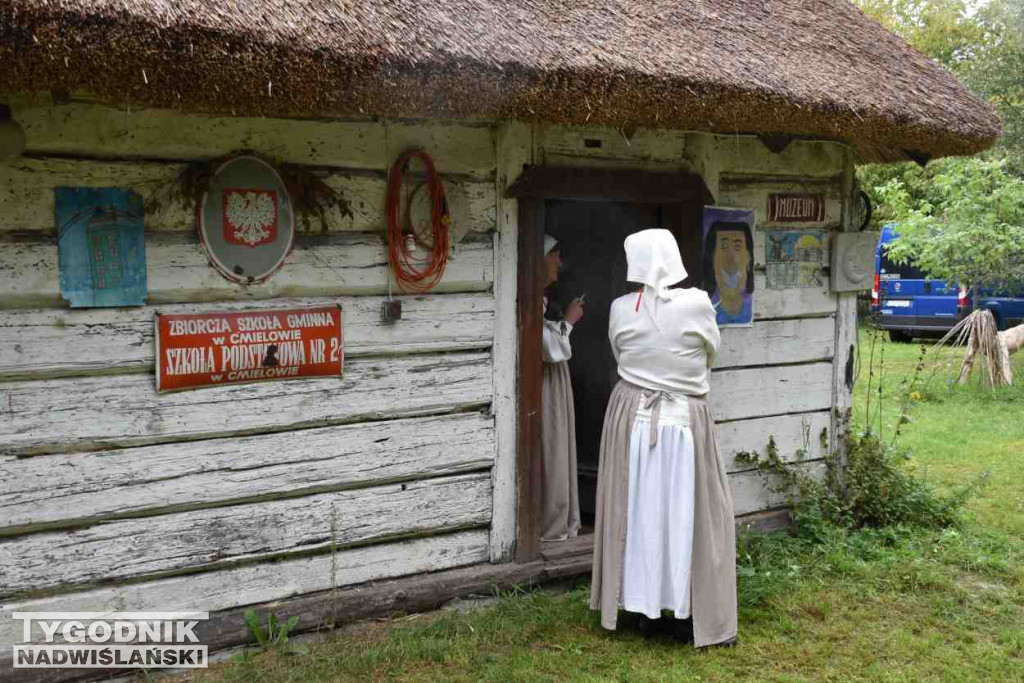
x=944 y=30
x=966 y=225
x=963 y=219
x=960 y=220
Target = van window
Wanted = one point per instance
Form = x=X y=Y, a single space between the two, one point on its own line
x=906 y=272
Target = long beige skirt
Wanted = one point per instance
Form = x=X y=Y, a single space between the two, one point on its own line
x=713 y=572
x=559 y=496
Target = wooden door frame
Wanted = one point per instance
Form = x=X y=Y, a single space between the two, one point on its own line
x=533 y=188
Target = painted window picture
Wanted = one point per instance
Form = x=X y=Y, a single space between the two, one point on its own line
x=102 y=251
x=794 y=258
x=729 y=263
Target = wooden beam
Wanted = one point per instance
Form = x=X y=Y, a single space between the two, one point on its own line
x=530 y=314
x=95 y=413
x=514 y=149
x=71 y=490
x=35 y=343
x=224 y=536
x=257 y=584
x=609 y=185
x=179 y=271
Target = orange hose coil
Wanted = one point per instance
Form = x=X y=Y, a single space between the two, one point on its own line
x=412 y=274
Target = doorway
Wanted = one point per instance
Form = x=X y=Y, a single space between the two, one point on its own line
x=591 y=235
x=590 y=211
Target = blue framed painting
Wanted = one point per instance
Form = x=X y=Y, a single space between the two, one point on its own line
x=102 y=249
x=729 y=263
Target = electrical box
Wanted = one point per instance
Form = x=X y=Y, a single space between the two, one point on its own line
x=391 y=311
x=853 y=261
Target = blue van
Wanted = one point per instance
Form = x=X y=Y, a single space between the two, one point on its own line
x=907 y=304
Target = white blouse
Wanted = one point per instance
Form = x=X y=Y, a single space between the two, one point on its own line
x=665 y=345
x=555 y=347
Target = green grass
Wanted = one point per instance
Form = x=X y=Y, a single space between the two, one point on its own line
x=884 y=605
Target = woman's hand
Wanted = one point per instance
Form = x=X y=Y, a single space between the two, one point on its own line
x=574 y=313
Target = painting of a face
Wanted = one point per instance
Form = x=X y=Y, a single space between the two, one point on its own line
x=731 y=261
x=728 y=263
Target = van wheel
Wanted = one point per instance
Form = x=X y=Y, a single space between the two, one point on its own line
x=899 y=336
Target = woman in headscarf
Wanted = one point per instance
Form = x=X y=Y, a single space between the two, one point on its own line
x=560 y=502
x=664 y=537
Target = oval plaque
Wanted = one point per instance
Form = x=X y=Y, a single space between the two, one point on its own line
x=246 y=220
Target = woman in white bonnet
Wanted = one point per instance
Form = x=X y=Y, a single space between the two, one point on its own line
x=664 y=537
x=559 y=495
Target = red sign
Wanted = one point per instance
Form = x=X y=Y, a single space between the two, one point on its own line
x=211 y=349
x=250 y=216
x=796 y=208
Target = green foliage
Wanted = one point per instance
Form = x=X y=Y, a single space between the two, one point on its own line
x=994 y=72
x=941 y=29
x=273 y=638
x=875 y=485
x=966 y=224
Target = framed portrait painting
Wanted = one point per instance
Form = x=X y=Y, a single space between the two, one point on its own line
x=729 y=263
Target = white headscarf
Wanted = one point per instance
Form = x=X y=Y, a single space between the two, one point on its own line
x=654 y=260
x=549 y=244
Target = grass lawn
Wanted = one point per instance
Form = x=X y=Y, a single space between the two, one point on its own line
x=891 y=605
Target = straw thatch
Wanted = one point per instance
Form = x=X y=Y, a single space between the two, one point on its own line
x=810 y=68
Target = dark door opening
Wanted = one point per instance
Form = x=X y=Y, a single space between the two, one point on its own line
x=591 y=235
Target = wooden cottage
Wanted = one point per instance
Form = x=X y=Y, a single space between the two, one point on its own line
x=414 y=477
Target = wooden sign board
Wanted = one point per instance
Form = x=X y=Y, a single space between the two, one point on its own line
x=213 y=349
x=796 y=208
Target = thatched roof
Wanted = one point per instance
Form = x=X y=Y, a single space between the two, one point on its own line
x=811 y=68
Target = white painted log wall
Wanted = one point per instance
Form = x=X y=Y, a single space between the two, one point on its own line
x=742 y=396
x=28 y=202
x=90 y=413
x=752 y=192
x=215 y=537
x=95 y=130
x=796 y=436
x=34 y=343
x=178 y=271
x=76 y=489
x=259 y=583
x=211 y=461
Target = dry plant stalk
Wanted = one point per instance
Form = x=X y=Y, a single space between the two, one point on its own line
x=982 y=337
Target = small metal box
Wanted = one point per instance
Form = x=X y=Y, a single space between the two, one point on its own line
x=391 y=311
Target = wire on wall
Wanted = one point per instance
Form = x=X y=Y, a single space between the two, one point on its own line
x=413 y=273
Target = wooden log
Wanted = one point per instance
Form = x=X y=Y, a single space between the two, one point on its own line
x=775 y=342
x=514 y=150
x=664 y=149
x=765 y=522
x=749 y=493
x=259 y=583
x=779 y=390
x=211 y=538
x=796 y=437
x=800 y=302
x=393 y=597
x=751 y=191
x=529 y=378
x=77 y=489
x=85 y=129
x=589 y=146
x=179 y=272
x=93 y=413
x=28 y=203
x=47 y=343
